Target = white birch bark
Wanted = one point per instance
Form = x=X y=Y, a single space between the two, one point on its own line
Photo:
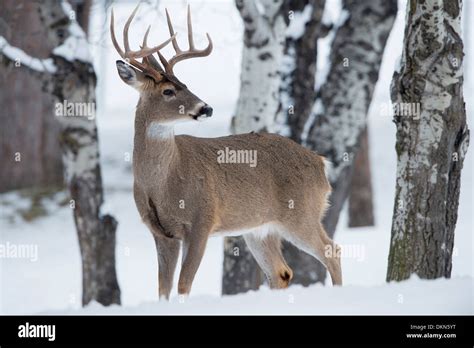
x=431 y=142
x=264 y=36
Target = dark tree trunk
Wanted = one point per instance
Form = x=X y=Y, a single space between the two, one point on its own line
x=361 y=210
x=432 y=141
x=241 y=271
x=345 y=96
x=341 y=107
x=297 y=92
x=29 y=135
x=68 y=75
x=82 y=9
x=297 y=95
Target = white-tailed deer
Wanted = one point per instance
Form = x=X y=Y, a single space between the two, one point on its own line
x=186 y=191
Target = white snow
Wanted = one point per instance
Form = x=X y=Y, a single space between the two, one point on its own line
x=331 y=16
x=413 y=296
x=331 y=12
x=52 y=283
x=73 y=48
x=297 y=25
x=20 y=57
x=398 y=64
x=76 y=46
x=317 y=109
x=343 y=17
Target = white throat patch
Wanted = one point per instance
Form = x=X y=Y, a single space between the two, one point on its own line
x=156 y=130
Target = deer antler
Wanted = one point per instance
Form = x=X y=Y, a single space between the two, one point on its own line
x=180 y=55
x=147 y=65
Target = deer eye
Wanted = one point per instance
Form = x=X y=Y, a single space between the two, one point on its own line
x=168 y=92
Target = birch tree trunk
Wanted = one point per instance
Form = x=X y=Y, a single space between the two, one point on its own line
x=361 y=210
x=264 y=35
x=69 y=76
x=432 y=141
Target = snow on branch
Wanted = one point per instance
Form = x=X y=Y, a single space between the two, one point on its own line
x=76 y=46
x=334 y=17
x=16 y=54
x=297 y=25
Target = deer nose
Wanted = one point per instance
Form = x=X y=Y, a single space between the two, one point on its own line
x=206 y=110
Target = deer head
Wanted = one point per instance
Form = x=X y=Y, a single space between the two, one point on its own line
x=163 y=98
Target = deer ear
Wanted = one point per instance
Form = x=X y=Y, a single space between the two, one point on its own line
x=130 y=75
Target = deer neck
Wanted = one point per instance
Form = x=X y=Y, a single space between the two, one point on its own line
x=155 y=149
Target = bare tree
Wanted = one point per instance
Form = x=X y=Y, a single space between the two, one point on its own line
x=69 y=76
x=432 y=140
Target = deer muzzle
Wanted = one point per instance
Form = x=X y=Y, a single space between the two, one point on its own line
x=206 y=110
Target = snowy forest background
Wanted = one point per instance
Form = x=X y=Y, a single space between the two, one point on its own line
x=51 y=282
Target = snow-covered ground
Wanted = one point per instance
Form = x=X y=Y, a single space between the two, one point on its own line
x=410 y=297
x=49 y=278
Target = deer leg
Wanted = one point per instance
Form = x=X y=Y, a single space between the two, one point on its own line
x=168 y=252
x=167 y=249
x=321 y=247
x=267 y=253
x=193 y=251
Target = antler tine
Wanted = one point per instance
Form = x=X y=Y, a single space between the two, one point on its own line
x=126 y=27
x=144 y=52
x=150 y=59
x=165 y=63
x=112 y=33
x=125 y=55
x=190 y=30
x=192 y=53
x=145 y=38
x=180 y=55
x=149 y=64
x=172 y=34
